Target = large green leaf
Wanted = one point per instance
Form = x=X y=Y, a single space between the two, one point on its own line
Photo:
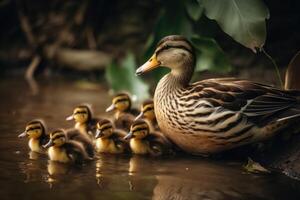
x=243 y=20
x=210 y=56
x=122 y=78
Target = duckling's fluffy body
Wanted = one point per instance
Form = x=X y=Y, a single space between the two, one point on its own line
x=62 y=149
x=113 y=144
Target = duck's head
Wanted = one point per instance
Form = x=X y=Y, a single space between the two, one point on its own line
x=104 y=129
x=120 y=102
x=174 y=52
x=147 y=110
x=81 y=114
x=57 y=138
x=34 y=129
x=139 y=129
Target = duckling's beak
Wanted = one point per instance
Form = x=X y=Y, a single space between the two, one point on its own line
x=139 y=116
x=49 y=144
x=71 y=117
x=22 y=134
x=110 y=108
x=151 y=64
x=128 y=136
x=98 y=133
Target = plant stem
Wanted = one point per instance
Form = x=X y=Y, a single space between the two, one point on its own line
x=275 y=65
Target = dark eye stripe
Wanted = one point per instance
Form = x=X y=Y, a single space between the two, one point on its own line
x=175 y=46
x=80 y=112
x=57 y=136
x=120 y=100
x=148 y=109
x=139 y=129
x=33 y=128
x=105 y=128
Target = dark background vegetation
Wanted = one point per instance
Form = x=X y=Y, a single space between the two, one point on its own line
x=86 y=36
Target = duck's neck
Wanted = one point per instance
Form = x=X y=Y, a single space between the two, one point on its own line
x=179 y=77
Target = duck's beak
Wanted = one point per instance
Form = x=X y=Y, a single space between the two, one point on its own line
x=98 y=133
x=139 y=116
x=22 y=134
x=71 y=117
x=151 y=64
x=128 y=136
x=110 y=108
x=49 y=144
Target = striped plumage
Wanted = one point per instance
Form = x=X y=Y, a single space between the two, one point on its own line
x=214 y=115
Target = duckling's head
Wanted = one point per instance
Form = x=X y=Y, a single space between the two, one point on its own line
x=104 y=129
x=34 y=129
x=120 y=102
x=174 y=52
x=139 y=129
x=57 y=138
x=147 y=110
x=81 y=114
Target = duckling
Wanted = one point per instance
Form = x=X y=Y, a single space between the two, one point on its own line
x=108 y=139
x=124 y=115
x=85 y=122
x=36 y=132
x=144 y=142
x=148 y=114
x=62 y=149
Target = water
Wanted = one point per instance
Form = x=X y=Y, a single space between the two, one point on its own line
x=109 y=176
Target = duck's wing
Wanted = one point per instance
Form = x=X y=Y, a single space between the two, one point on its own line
x=74 y=134
x=76 y=151
x=259 y=103
x=124 y=121
x=118 y=138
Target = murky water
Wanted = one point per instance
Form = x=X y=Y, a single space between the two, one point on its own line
x=109 y=176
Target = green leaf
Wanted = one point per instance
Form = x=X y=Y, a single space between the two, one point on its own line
x=210 y=56
x=243 y=20
x=193 y=9
x=122 y=78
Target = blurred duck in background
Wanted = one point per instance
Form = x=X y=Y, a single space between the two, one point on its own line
x=124 y=114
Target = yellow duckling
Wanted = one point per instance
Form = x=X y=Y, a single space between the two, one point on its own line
x=124 y=115
x=85 y=122
x=61 y=149
x=147 y=113
x=108 y=139
x=144 y=142
x=36 y=132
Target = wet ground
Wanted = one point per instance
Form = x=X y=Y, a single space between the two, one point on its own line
x=24 y=175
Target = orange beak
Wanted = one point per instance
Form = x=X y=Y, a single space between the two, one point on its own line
x=151 y=64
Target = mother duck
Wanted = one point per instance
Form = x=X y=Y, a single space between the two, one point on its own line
x=214 y=115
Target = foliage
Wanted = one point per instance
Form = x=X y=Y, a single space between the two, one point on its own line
x=243 y=20
x=122 y=78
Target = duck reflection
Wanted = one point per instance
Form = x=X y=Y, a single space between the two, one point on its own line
x=108 y=170
x=33 y=168
x=182 y=179
x=141 y=173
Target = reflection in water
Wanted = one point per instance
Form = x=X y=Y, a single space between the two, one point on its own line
x=117 y=176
